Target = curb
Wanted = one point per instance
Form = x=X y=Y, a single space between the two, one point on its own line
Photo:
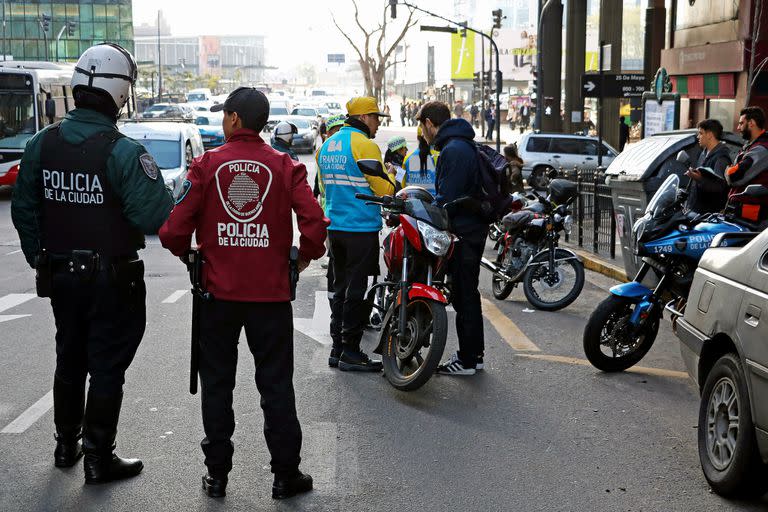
x=595 y=264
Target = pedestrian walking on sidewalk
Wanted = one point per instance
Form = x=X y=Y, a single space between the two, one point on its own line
x=83 y=243
x=490 y=120
x=239 y=201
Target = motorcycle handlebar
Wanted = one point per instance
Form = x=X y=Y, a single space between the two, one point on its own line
x=368 y=197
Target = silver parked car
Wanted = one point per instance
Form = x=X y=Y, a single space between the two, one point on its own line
x=724 y=343
x=543 y=152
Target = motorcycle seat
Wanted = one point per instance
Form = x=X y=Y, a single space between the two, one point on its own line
x=516 y=220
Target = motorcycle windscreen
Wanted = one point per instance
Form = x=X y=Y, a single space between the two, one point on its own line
x=665 y=196
x=428 y=212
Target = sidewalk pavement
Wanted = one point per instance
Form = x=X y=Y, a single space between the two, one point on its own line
x=601 y=263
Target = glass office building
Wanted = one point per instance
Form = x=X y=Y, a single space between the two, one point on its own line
x=93 y=21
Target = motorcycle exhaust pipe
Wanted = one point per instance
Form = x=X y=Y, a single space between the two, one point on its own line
x=489 y=265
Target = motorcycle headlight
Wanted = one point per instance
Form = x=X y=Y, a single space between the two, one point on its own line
x=437 y=242
x=568 y=224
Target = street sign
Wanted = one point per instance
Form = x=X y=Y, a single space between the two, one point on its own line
x=614 y=86
x=336 y=58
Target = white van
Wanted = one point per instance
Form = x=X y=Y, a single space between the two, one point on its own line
x=200 y=96
x=172 y=145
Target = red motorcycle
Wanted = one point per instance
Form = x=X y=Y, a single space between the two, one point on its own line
x=413 y=297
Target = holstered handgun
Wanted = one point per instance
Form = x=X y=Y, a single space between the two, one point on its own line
x=293 y=270
x=43 y=274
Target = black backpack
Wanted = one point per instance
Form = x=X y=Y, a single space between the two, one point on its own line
x=494 y=184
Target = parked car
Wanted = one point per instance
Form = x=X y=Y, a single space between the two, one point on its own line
x=334 y=107
x=166 y=111
x=724 y=343
x=210 y=128
x=199 y=95
x=543 y=152
x=305 y=141
x=306 y=111
x=173 y=146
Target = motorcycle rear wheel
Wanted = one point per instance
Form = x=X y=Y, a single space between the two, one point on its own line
x=408 y=367
x=501 y=288
x=608 y=328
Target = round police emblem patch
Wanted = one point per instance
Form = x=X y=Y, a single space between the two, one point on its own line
x=185 y=186
x=149 y=165
x=243 y=186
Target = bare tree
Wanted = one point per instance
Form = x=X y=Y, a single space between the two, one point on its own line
x=374 y=52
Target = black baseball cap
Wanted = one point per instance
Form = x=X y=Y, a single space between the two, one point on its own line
x=249 y=103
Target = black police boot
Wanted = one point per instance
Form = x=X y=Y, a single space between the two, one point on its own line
x=100 y=463
x=285 y=487
x=333 y=359
x=215 y=487
x=68 y=403
x=355 y=360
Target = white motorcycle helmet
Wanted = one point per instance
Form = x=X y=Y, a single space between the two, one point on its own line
x=109 y=68
x=284 y=131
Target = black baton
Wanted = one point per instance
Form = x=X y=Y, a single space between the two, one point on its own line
x=194 y=261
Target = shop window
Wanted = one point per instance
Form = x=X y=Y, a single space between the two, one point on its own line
x=724 y=111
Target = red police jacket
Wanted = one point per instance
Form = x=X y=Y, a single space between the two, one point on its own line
x=238 y=200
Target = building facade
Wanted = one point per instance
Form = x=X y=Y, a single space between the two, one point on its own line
x=73 y=26
x=708 y=56
x=236 y=58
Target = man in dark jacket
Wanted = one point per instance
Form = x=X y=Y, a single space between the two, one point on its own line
x=457 y=176
x=84 y=199
x=623 y=133
x=751 y=166
x=707 y=193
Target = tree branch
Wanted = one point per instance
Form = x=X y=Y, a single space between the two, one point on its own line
x=410 y=23
x=359 y=53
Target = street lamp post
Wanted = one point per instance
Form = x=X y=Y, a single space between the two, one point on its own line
x=393 y=10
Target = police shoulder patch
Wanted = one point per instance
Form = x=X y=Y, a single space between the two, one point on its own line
x=149 y=165
x=185 y=186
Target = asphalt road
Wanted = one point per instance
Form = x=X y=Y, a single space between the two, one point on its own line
x=538 y=430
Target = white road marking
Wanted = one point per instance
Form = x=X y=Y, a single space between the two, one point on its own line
x=321 y=317
x=8 y=318
x=304 y=326
x=13 y=252
x=14 y=299
x=30 y=416
x=507 y=328
x=175 y=296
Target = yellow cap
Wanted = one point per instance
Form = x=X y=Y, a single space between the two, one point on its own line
x=364 y=105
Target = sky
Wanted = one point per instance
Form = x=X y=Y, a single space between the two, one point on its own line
x=297 y=31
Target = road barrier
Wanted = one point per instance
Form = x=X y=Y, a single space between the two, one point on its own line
x=593 y=211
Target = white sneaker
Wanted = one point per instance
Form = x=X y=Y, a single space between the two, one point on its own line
x=454 y=366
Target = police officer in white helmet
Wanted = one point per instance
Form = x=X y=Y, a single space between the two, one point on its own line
x=84 y=247
x=282 y=138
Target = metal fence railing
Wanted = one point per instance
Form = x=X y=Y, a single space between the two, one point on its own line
x=593 y=210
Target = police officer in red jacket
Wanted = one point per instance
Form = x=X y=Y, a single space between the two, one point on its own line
x=238 y=200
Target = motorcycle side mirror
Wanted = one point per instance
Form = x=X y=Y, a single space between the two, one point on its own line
x=683 y=157
x=752 y=191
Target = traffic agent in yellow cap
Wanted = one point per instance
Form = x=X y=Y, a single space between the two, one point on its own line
x=350 y=162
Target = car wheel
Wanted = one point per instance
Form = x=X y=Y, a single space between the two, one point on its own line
x=727 y=445
x=539 y=179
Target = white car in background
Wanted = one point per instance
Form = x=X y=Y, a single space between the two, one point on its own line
x=172 y=145
x=543 y=152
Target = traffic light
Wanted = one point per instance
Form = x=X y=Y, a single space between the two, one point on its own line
x=487 y=78
x=71 y=27
x=393 y=9
x=535 y=83
x=496 y=18
x=45 y=22
x=463 y=30
x=476 y=80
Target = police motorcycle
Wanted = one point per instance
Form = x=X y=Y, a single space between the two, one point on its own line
x=416 y=291
x=528 y=251
x=671 y=241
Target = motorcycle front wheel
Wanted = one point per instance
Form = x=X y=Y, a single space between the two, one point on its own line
x=608 y=340
x=410 y=362
x=553 y=290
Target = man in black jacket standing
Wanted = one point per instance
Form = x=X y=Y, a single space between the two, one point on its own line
x=707 y=193
x=457 y=175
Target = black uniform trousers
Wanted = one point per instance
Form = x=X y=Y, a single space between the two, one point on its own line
x=99 y=325
x=269 y=331
x=465 y=295
x=355 y=257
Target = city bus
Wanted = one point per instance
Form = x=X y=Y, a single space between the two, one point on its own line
x=24 y=89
